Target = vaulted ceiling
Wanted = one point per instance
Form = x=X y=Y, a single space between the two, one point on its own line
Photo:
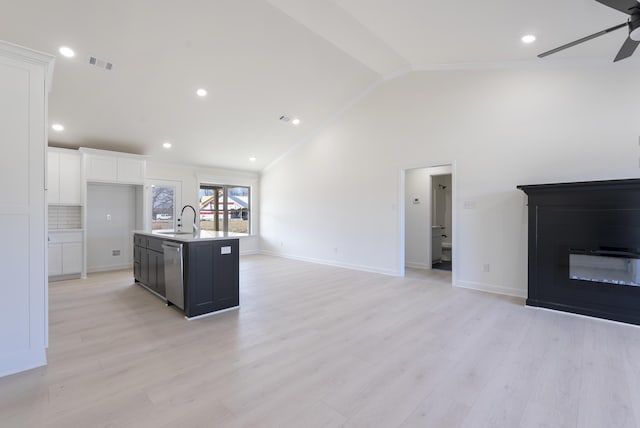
x=261 y=59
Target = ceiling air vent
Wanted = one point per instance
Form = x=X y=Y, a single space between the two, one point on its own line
x=100 y=63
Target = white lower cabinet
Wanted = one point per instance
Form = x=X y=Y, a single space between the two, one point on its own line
x=55 y=259
x=65 y=253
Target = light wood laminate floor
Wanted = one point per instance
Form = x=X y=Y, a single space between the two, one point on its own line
x=316 y=346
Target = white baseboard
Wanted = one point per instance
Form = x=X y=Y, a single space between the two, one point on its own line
x=332 y=263
x=96 y=269
x=413 y=265
x=491 y=288
x=250 y=252
x=22 y=361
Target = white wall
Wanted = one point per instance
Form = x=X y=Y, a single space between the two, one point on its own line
x=335 y=199
x=189 y=178
x=103 y=235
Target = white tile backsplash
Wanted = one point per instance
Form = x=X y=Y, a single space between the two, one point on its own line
x=65 y=217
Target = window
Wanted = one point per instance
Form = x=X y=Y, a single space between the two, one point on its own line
x=162 y=207
x=225 y=208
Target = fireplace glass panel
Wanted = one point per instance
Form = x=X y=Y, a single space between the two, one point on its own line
x=605 y=269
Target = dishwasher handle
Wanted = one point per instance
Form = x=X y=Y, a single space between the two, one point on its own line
x=171 y=246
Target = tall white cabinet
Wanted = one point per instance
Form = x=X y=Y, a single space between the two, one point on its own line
x=25 y=76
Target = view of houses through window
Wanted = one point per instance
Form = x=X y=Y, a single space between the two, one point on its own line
x=225 y=208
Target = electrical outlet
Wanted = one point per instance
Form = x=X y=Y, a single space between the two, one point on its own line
x=115 y=253
x=486 y=267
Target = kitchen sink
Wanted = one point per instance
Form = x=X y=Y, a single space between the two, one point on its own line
x=172 y=233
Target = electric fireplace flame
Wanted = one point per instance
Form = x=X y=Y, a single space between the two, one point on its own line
x=617 y=267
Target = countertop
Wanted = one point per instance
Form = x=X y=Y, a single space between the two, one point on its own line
x=202 y=235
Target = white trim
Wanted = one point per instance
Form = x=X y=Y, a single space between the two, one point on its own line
x=491 y=288
x=31 y=56
x=233 y=308
x=417 y=265
x=21 y=361
x=557 y=311
x=454 y=215
x=332 y=263
x=249 y=252
x=123 y=266
x=111 y=153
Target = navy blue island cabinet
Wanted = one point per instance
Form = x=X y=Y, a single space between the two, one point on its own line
x=211 y=276
x=206 y=271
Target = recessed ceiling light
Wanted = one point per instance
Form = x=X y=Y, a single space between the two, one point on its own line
x=252 y=159
x=68 y=52
x=57 y=127
x=529 y=38
x=296 y=121
x=166 y=145
x=201 y=92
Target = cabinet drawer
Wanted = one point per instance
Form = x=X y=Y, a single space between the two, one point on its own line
x=155 y=244
x=140 y=241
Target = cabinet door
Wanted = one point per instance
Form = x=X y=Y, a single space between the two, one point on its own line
x=144 y=266
x=137 y=258
x=226 y=274
x=53 y=177
x=71 y=258
x=137 y=271
x=153 y=270
x=102 y=168
x=55 y=259
x=212 y=277
x=131 y=170
x=70 y=166
x=160 y=285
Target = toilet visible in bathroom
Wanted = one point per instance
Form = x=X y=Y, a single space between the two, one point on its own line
x=446 y=251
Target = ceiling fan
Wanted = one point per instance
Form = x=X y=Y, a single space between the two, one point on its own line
x=631 y=8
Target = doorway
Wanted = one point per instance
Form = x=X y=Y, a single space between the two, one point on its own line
x=441 y=219
x=428 y=227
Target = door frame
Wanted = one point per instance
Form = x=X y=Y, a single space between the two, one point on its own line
x=454 y=216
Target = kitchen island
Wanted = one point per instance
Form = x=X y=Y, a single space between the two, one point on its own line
x=198 y=273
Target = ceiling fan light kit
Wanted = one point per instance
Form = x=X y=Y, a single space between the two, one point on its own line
x=631 y=8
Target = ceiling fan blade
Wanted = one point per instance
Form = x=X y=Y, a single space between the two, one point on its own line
x=584 y=39
x=628 y=48
x=625 y=6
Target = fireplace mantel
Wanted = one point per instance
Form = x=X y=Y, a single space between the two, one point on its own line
x=584 y=248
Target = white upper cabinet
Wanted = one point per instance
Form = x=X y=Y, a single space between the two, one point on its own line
x=131 y=170
x=64 y=177
x=113 y=167
x=102 y=168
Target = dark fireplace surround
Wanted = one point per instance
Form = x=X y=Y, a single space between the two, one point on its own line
x=584 y=248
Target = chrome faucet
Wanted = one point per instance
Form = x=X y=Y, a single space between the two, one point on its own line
x=195 y=226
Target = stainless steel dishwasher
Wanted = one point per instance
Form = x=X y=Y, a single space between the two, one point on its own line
x=173 y=266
